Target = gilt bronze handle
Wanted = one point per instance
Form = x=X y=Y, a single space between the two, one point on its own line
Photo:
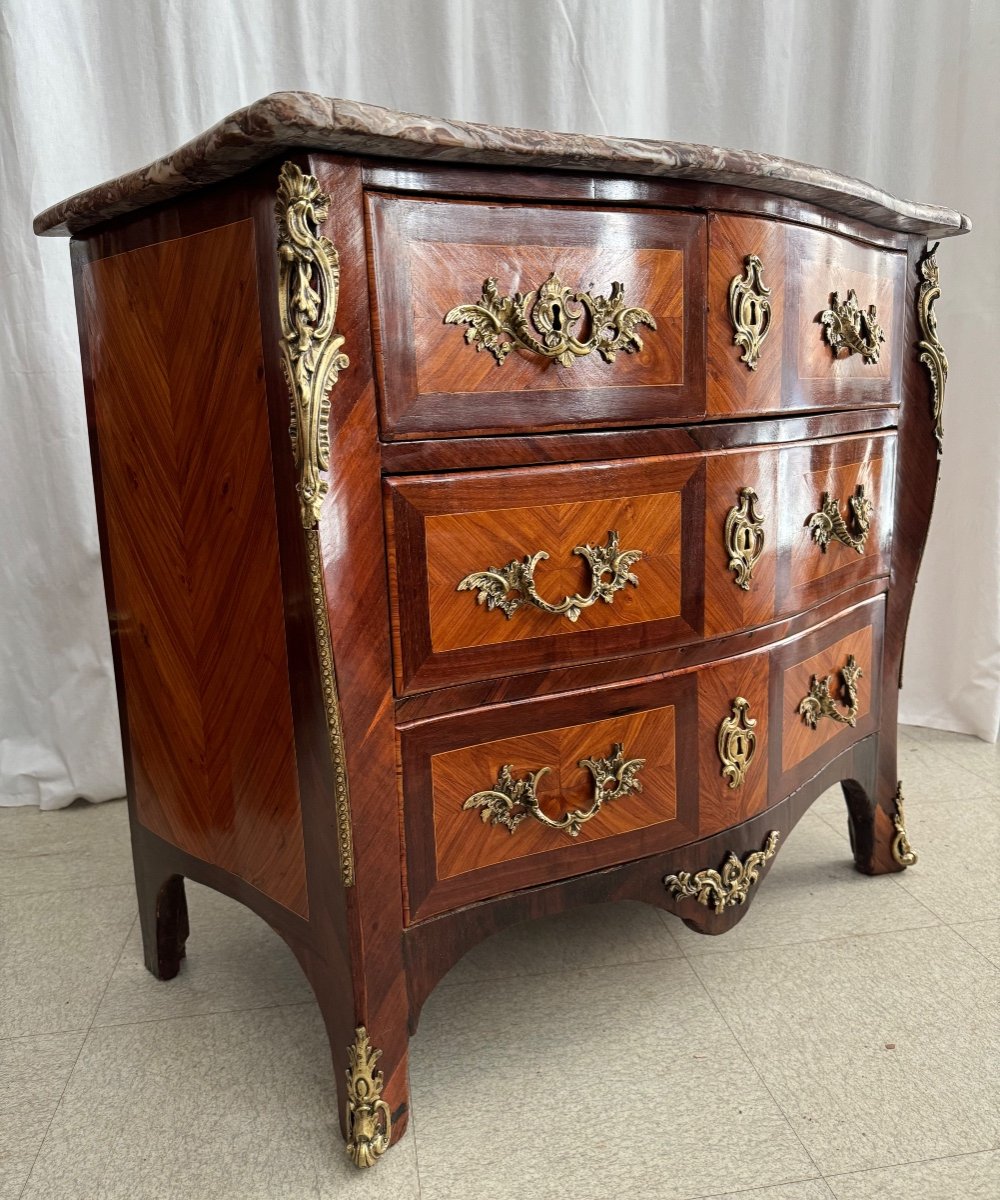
x=851 y=329
x=828 y=525
x=508 y=588
x=512 y=799
x=821 y=703
x=552 y=321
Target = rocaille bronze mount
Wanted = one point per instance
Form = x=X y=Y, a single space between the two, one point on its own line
x=311 y=356
x=820 y=702
x=932 y=353
x=750 y=310
x=368 y=1119
x=508 y=588
x=828 y=525
x=850 y=329
x=511 y=800
x=744 y=537
x=548 y=320
x=728 y=886
x=737 y=742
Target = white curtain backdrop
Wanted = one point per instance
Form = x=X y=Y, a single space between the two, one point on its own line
x=903 y=93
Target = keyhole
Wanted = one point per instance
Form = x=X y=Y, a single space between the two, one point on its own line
x=753 y=313
x=556 y=318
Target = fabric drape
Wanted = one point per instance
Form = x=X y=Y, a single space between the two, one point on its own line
x=901 y=92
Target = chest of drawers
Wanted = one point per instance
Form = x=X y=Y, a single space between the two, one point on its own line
x=583 y=568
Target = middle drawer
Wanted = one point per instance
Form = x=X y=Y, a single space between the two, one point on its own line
x=493 y=572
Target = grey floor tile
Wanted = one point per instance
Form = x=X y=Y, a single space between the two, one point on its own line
x=617 y=1081
x=234 y=960
x=958 y=875
x=982 y=758
x=985 y=936
x=805 y=1189
x=57 y=951
x=928 y=774
x=880 y=1049
x=33 y=1073
x=812 y=893
x=831 y=808
x=237 y=1106
x=969 y=1177
x=601 y=935
x=85 y=845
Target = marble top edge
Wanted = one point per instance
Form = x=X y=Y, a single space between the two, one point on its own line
x=304 y=120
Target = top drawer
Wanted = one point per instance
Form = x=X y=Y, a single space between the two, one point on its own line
x=554 y=268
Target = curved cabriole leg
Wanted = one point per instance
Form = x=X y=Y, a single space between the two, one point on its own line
x=163 y=919
x=878 y=831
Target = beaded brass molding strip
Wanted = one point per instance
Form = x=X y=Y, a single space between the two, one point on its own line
x=726 y=888
x=546 y=321
x=902 y=852
x=308 y=292
x=932 y=353
x=369 y=1121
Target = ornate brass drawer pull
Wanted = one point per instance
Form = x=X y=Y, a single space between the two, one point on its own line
x=750 y=310
x=744 y=536
x=726 y=888
x=828 y=525
x=552 y=321
x=737 y=742
x=511 y=800
x=820 y=702
x=508 y=588
x=848 y=327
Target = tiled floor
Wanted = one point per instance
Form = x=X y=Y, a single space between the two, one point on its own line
x=843 y=1041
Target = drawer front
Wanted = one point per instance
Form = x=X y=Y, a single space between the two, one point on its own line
x=554 y=347
x=770 y=350
x=799 y=491
x=495 y=572
x=470 y=828
x=825 y=690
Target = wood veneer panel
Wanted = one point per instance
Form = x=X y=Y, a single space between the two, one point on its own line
x=181 y=420
x=799 y=740
x=728 y=606
x=453 y=858
x=806 y=572
x=800 y=751
x=719 y=805
x=443 y=527
x=429 y=256
x=464 y=843
x=820 y=264
x=732 y=386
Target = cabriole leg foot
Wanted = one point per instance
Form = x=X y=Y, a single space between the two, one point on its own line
x=163 y=918
x=878 y=831
x=368 y=1121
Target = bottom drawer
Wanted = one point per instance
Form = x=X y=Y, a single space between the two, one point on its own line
x=538 y=790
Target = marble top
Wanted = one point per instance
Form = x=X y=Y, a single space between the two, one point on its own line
x=304 y=121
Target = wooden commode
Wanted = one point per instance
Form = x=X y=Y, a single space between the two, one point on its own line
x=581 y=569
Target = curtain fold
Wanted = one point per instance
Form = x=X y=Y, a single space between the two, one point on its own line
x=902 y=93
